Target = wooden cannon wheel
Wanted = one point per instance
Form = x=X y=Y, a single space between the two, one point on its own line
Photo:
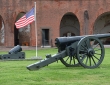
x=71 y=60
x=90 y=52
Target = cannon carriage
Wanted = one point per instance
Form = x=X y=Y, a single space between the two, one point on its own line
x=87 y=51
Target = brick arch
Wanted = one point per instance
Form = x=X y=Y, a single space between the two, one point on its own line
x=69 y=24
x=22 y=35
x=19 y=15
x=102 y=23
x=1 y=21
x=2 y=31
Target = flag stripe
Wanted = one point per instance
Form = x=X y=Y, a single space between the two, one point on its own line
x=24 y=22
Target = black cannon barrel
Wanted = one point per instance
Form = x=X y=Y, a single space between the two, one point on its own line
x=101 y=36
x=68 y=40
x=15 y=49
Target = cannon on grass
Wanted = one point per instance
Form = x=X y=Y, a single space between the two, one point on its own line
x=14 y=53
x=87 y=51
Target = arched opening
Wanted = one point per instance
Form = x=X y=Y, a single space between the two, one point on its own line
x=22 y=35
x=102 y=25
x=69 y=25
x=2 y=32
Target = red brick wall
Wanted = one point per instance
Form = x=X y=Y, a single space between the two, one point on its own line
x=49 y=15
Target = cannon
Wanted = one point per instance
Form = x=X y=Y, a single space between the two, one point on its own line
x=87 y=51
x=14 y=53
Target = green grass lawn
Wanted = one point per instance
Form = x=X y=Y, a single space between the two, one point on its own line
x=15 y=72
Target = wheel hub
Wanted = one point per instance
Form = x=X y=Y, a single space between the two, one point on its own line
x=90 y=52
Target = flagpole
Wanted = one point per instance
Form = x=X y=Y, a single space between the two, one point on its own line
x=35 y=28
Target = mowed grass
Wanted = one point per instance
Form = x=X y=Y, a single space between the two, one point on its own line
x=16 y=73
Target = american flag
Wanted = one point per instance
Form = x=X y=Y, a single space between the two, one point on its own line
x=26 y=19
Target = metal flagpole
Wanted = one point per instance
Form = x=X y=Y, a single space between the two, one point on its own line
x=36 y=57
x=35 y=28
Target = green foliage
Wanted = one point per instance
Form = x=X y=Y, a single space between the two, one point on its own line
x=15 y=72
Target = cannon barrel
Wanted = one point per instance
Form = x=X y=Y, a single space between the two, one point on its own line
x=62 y=41
x=15 y=49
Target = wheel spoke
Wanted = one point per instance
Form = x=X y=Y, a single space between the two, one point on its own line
x=83 y=57
x=83 y=51
x=84 y=47
x=95 y=45
x=86 y=60
x=90 y=60
x=70 y=60
x=97 y=49
x=97 y=53
x=93 y=60
x=96 y=57
x=88 y=43
x=74 y=60
x=67 y=58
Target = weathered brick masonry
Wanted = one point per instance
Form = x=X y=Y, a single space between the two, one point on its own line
x=52 y=15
